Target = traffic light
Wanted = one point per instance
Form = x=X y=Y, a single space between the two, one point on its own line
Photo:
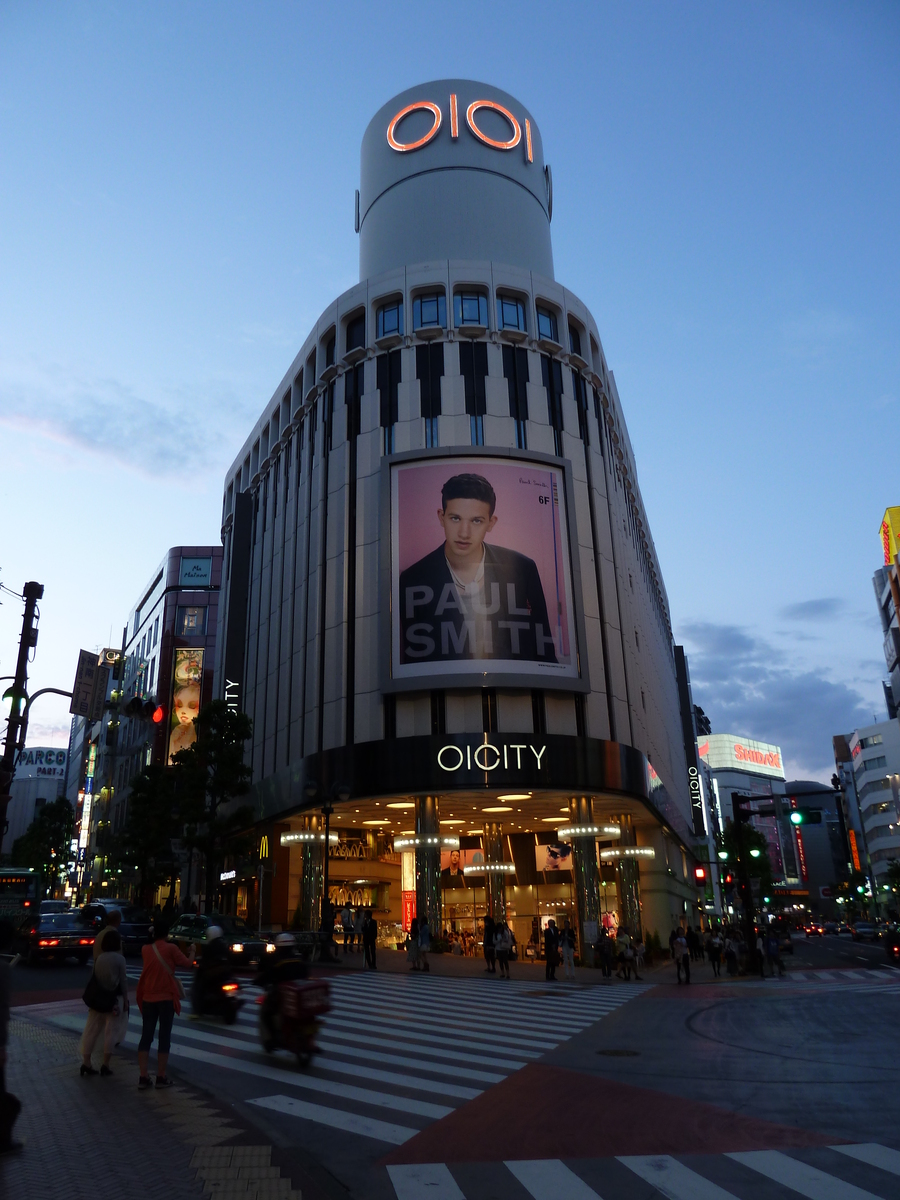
x=159 y=715
x=700 y=876
x=145 y=710
x=806 y=816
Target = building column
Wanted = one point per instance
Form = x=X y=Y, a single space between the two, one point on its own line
x=313 y=878
x=428 y=863
x=628 y=885
x=586 y=877
x=494 y=881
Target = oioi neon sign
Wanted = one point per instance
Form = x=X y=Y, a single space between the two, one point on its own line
x=437 y=119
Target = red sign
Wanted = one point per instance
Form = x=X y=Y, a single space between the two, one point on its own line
x=745 y=754
x=408 y=909
x=472 y=111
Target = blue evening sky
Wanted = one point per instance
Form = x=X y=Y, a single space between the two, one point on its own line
x=176 y=209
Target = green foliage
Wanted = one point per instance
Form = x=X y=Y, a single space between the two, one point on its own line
x=892 y=874
x=45 y=844
x=854 y=903
x=156 y=818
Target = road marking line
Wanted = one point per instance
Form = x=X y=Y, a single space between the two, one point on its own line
x=413 y=1181
x=417 y=1064
x=550 y=1179
x=673 y=1178
x=382 y=1131
x=808 y=1181
x=882 y=1157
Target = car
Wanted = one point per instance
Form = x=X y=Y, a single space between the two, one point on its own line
x=55 y=906
x=246 y=948
x=135 y=927
x=814 y=929
x=831 y=927
x=864 y=931
x=891 y=941
x=52 y=937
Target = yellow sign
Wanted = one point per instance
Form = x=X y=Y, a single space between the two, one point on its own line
x=264 y=846
x=890 y=534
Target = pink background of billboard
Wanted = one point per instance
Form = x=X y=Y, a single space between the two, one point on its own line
x=523 y=524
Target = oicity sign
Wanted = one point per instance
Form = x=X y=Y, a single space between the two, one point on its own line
x=487 y=757
x=437 y=120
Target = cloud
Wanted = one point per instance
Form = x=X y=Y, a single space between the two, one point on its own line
x=147 y=431
x=746 y=686
x=824 y=609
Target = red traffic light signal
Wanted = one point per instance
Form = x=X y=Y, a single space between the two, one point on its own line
x=159 y=715
x=700 y=876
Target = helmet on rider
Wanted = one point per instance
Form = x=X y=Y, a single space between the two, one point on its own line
x=282 y=940
x=214 y=931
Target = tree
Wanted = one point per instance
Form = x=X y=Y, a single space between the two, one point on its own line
x=155 y=819
x=45 y=844
x=210 y=775
x=758 y=867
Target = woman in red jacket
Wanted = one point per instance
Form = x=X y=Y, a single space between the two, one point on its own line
x=159 y=999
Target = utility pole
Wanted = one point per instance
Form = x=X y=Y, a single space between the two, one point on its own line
x=18 y=718
x=748 y=919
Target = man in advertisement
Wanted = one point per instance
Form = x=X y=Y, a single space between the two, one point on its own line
x=452 y=875
x=472 y=599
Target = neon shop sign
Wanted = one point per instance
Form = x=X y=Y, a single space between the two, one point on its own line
x=520 y=132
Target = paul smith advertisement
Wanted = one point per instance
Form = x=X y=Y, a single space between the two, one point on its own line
x=480 y=573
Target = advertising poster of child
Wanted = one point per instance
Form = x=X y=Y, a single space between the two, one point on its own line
x=480 y=569
x=187 y=677
x=453 y=863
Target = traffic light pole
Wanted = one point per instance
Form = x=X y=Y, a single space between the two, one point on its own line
x=17 y=723
x=748 y=917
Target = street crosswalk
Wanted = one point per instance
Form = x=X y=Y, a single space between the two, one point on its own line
x=846 y=1172
x=396 y=1051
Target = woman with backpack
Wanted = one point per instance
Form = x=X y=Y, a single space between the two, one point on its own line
x=107 y=999
x=503 y=946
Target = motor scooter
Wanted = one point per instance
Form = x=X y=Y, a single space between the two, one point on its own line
x=289 y=1017
x=219 y=997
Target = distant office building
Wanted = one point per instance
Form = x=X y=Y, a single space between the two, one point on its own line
x=40 y=779
x=887 y=596
x=875 y=765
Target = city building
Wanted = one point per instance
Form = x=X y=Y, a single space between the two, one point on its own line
x=887 y=596
x=166 y=660
x=40 y=779
x=868 y=766
x=442 y=607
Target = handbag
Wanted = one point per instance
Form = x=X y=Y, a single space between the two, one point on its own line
x=99 y=998
x=178 y=984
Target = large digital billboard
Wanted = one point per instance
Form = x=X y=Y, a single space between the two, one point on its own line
x=481 y=579
x=187 y=677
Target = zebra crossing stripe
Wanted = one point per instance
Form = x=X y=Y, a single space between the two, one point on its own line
x=416 y=1180
x=550 y=1179
x=382 y=1131
x=673 y=1178
x=876 y=1156
x=791 y=1172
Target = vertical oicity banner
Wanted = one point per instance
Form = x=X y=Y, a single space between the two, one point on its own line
x=480 y=571
x=187 y=676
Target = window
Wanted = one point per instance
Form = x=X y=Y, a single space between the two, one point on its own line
x=473 y=366
x=152 y=673
x=579 y=387
x=390 y=319
x=470 y=308
x=429 y=370
x=874 y=740
x=353 y=390
x=551 y=373
x=356 y=333
x=190 y=622
x=388 y=376
x=574 y=341
x=511 y=314
x=871 y=764
x=155 y=631
x=430 y=311
x=547 y=325
x=515 y=372
x=329 y=352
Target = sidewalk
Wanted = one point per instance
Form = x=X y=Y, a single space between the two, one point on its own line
x=100 y=1139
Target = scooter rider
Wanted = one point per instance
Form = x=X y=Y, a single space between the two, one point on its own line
x=214 y=967
x=281 y=967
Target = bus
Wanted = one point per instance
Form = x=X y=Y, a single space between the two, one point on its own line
x=20 y=893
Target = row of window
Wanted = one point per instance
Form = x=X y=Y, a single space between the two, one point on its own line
x=870 y=764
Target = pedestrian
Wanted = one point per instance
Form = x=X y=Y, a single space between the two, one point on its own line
x=424 y=943
x=605 y=951
x=731 y=958
x=701 y=949
x=682 y=957
x=773 y=953
x=672 y=936
x=639 y=951
x=567 y=949
x=623 y=938
x=108 y=1005
x=692 y=942
x=551 y=950
x=370 y=939
x=761 y=954
x=10 y=1105
x=112 y=919
x=490 y=954
x=358 y=922
x=347 y=925
x=412 y=945
x=714 y=949
x=503 y=946
x=159 y=996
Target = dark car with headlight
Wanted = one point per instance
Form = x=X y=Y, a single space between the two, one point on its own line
x=135 y=927
x=52 y=937
x=865 y=931
x=245 y=947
